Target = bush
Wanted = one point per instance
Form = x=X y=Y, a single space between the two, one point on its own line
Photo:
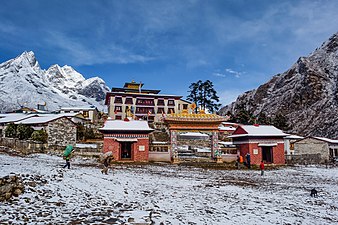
x=89 y=133
x=40 y=135
x=10 y=130
x=80 y=132
x=24 y=132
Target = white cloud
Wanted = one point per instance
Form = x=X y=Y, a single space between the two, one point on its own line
x=79 y=53
x=233 y=72
x=219 y=74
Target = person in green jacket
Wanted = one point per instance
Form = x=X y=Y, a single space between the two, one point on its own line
x=67 y=155
x=67 y=162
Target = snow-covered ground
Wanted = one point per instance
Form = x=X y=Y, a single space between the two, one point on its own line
x=166 y=194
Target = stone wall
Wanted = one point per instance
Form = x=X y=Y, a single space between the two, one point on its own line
x=305 y=159
x=61 y=132
x=10 y=186
x=23 y=146
x=311 y=150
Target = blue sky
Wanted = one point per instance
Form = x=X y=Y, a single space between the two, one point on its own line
x=167 y=45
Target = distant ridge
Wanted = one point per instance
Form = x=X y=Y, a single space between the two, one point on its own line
x=306 y=94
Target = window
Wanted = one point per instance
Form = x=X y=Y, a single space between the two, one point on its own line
x=85 y=114
x=159 y=149
x=185 y=106
x=160 y=102
x=171 y=110
x=145 y=102
x=171 y=102
x=118 y=117
x=145 y=110
x=118 y=109
x=129 y=101
x=118 y=100
x=160 y=110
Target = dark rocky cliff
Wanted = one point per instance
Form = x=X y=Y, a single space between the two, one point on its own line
x=306 y=94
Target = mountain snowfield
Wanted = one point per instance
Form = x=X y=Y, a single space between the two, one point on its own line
x=24 y=83
x=307 y=94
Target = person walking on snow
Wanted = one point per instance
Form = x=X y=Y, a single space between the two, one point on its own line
x=239 y=161
x=106 y=164
x=67 y=155
x=261 y=166
x=248 y=160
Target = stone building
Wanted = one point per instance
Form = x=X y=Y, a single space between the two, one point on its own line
x=61 y=130
x=315 y=149
x=89 y=113
x=263 y=142
x=8 y=118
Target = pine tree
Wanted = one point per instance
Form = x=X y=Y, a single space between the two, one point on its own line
x=10 y=130
x=24 y=131
x=263 y=119
x=40 y=135
x=194 y=95
x=204 y=96
x=280 y=121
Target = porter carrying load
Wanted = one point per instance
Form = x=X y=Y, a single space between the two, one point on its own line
x=68 y=150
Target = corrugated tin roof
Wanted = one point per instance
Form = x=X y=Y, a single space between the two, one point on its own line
x=40 y=119
x=14 y=117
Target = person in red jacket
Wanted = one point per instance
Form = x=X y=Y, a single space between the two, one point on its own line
x=261 y=166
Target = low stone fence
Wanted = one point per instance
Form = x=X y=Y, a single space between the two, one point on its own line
x=10 y=186
x=79 y=149
x=304 y=159
x=23 y=146
x=29 y=147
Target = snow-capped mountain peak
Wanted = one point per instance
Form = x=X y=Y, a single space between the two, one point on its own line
x=23 y=82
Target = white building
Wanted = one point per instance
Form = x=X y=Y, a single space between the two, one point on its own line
x=90 y=113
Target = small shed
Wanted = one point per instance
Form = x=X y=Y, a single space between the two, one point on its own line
x=90 y=113
x=315 y=150
x=61 y=130
x=127 y=139
x=263 y=142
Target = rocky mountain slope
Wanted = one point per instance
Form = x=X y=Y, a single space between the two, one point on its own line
x=24 y=83
x=306 y=94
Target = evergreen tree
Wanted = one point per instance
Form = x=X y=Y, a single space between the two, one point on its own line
x=40 y=135
x=10 y=130
x=204 y=96
x=263 y=119
x=243 y=116
x=89 y=133
x=24 y=131
x=280 y=121
x=194 y=95
x=80 y=132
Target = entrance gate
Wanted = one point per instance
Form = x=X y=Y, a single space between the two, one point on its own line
x=184 y=122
